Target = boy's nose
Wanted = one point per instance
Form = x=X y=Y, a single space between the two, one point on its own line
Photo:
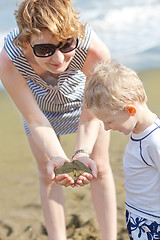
x=107 y=128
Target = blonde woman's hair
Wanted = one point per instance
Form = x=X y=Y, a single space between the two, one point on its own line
x=57 y=16
x=112 y=86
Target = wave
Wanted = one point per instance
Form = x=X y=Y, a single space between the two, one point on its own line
x=127 y=27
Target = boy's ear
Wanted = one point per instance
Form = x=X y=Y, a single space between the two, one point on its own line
x=131 y=109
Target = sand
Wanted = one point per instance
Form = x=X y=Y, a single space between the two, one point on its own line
x=20 y=209
x=74 y=169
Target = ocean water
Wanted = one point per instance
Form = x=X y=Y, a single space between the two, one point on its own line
x=129 y=28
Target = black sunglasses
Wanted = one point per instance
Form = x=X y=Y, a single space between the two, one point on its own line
x=47 y=50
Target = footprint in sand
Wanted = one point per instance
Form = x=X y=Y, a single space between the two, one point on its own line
x=5 y=229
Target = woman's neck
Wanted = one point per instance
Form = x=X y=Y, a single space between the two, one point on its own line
x=50 y=78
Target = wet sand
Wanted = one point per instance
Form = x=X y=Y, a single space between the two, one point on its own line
x=20 y=209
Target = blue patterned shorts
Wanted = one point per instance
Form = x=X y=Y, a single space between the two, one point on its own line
x=141 y=228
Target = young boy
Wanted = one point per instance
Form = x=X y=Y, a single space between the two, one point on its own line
x=116 y=96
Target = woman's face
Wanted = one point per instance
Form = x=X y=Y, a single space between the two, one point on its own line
x=56 y=63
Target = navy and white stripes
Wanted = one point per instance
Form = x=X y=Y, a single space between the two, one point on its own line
x=62 y=103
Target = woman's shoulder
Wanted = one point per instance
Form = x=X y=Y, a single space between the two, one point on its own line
x=12 y=34
x=98 y=48
x=7 y=69
x=83 y=43
x=11 y=49
x=5 y=61
x=97 y=51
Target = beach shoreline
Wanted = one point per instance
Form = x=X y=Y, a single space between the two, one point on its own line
x=21 y=216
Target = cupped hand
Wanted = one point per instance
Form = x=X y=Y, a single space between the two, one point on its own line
x=62 y=179
x=86 y=178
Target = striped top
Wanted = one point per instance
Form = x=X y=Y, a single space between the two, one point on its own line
x=62 y=103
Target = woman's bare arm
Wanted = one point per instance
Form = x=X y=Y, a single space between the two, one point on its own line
x=89 y=125
x=39 y=126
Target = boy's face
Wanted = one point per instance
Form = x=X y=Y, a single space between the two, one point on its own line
x=121 y=121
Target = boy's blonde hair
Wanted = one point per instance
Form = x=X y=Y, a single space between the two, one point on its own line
x=57 y=16
x=112 y=86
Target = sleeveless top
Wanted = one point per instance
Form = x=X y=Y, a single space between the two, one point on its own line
x=62 y=103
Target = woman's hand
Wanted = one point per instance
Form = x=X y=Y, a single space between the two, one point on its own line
x=62 y=179
x=86 y=178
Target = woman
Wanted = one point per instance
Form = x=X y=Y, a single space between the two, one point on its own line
x=44 y=66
